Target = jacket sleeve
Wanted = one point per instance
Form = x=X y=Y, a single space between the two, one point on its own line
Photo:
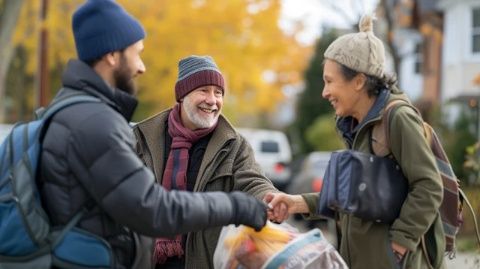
x=248 y=175
x=412 y=152
x=311 y=199
x=103 y=159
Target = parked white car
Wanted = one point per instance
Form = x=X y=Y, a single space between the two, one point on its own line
x=272 y=152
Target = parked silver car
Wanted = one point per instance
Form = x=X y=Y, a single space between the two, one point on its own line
x=310 y=175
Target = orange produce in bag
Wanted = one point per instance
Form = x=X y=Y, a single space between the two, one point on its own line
x=275 y=246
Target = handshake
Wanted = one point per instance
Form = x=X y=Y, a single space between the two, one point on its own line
x=277 y=207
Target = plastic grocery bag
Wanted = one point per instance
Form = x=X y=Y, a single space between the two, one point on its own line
x=275 y=246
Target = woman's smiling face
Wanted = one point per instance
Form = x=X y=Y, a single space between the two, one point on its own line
x=339 y=91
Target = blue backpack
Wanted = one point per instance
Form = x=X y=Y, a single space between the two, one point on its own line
x=27 y=239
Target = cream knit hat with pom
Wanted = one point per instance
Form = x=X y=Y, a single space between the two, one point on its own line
x=362 y=52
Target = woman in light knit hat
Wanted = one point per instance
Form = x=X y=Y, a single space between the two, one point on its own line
x=359 y=90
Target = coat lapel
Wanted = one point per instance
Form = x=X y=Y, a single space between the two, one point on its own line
x=220 y=136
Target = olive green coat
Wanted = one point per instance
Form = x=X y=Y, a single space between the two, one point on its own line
x=366 y=244
x=228 y=165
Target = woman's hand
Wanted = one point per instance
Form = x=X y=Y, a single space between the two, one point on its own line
x=399 y=251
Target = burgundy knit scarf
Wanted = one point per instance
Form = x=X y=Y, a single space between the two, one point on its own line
x=175 y=175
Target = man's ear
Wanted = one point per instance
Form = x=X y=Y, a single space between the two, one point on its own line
x=111 y=58
x=360 y=79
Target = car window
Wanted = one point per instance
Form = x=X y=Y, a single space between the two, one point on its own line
x=269 y=147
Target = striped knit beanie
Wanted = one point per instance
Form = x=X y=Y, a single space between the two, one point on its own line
x=362 y=52
x=197 y=71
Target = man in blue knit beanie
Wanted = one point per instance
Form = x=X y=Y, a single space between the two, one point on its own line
x=88 y=158
x=193 y=147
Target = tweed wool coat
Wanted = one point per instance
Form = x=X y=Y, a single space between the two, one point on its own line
x=227 y=165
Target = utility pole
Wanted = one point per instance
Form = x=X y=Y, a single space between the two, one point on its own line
x=43 y=83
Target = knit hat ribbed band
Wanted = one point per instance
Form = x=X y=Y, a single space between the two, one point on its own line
x=103 y=26
x=362 y=52
x=197 y=71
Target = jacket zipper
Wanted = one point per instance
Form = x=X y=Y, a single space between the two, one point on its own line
x=349 y=218
x=363 y=129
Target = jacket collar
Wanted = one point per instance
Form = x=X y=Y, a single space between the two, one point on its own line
x=79 y=76
x=348 y=125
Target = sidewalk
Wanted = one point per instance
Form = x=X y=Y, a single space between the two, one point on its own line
x=464 y=261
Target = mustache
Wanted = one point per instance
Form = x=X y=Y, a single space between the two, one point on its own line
x=213 y=107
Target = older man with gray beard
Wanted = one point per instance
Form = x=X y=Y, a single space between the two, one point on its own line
x=193 y=147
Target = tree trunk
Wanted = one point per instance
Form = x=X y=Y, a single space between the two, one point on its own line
x=10 y=11
x=388 y=12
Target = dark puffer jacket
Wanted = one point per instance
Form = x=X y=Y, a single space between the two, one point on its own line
x=88 y=156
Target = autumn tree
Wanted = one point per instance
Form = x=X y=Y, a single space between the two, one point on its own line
x=256 y=57
x=9 y=13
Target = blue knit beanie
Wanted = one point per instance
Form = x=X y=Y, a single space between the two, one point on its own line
x=197 y=71
x=103 y=26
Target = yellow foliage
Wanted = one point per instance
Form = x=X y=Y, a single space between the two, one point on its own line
x=242 y=36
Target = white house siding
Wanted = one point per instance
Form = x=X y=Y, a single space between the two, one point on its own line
x=460 y=65
x=410 y=82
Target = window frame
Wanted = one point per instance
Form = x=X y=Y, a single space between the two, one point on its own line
x=475 y=29
x=418 y=63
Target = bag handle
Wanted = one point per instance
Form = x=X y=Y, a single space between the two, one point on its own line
x=380 y=133
x=389 y=111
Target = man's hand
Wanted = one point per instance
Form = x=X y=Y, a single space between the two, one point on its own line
x=277 y=213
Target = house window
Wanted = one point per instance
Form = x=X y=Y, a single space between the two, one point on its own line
x=476 y=30
x=418 y=58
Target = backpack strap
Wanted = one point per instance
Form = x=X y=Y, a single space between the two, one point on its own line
x=57 y=237
x=68 y=100
x=380 y=134
x=41 y=110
